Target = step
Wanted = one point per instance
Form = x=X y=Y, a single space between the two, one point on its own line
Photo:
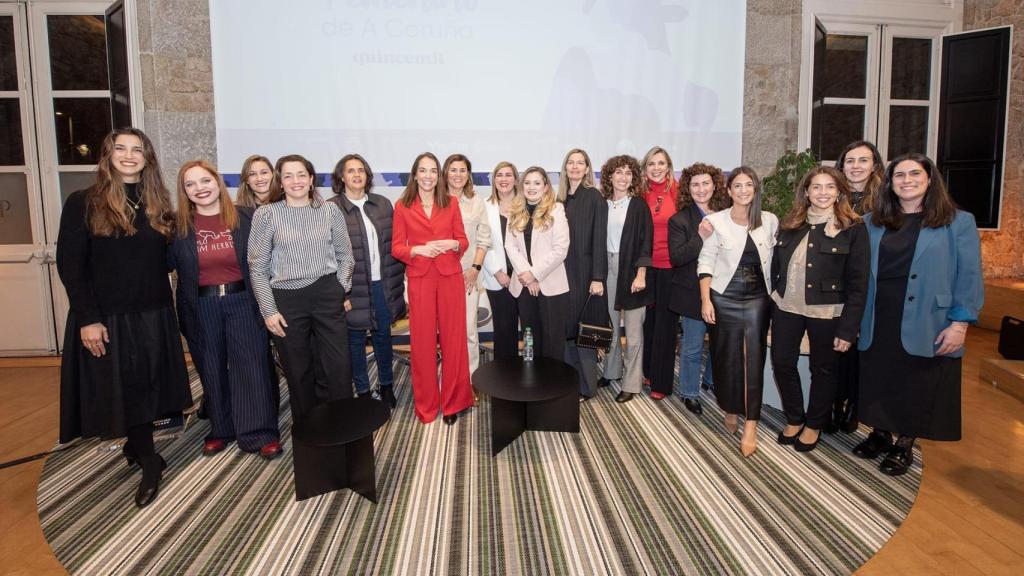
x=1006 y=375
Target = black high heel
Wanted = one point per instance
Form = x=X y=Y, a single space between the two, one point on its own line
x=788 y=440
x=149 y=487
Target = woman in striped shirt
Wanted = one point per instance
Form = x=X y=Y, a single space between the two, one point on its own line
x=300 y=259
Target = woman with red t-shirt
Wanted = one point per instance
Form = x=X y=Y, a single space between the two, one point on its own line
x=661 y=322
x=219 y=315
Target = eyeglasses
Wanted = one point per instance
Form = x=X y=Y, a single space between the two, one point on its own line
x=657 y=206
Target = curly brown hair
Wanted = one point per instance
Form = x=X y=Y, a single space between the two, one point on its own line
x=719 y=198
x=639 y=185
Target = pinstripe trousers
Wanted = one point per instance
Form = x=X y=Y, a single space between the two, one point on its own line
x=231 y=358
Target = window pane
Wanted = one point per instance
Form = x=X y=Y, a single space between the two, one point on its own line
x=73 y=182
x=833 y=126
x=81 y=123
x=911 y=68
x=8 y=65
x=818 y=90
x=908 y=130
x=78 y=52
x=845 y=68
x=14 y=214
x=12 y=152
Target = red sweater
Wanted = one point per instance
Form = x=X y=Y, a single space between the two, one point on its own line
x=663 y=205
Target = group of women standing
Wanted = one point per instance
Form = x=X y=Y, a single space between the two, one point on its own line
x=636 y=250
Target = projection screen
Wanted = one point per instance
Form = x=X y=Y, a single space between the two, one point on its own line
x=495 y=80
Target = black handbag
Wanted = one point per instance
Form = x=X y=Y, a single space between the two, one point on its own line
x=1011 y=338
x=592 y=335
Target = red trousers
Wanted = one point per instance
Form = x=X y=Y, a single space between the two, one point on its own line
x=437 y=307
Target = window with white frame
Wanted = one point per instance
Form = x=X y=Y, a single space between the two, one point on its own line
x=870 y=70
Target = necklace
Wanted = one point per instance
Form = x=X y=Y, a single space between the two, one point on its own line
x=135 y=205
x=616 y=204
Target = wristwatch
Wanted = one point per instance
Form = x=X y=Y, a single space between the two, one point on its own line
x=477 y=266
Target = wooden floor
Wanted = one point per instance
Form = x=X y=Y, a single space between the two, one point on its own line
x=968 y=518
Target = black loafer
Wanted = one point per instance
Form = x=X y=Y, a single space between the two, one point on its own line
x=450 y=418
x=693 y=405
x=624 y=397
x=876 y=443
x=603 y=382
x=152 y=473
x=897 y=461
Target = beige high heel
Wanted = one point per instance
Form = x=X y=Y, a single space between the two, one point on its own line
x=732 y=423
x=748 y=444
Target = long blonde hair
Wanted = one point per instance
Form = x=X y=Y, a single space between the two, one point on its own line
x=519 y=216
x=495 y=198
x=563 y=178
x=186 y=213
x=670 y=177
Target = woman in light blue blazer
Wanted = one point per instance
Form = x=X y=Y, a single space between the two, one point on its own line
x=924 y=289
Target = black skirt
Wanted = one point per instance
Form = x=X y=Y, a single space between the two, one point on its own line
x=141 y=378
x=910 y=395
x=742 y=314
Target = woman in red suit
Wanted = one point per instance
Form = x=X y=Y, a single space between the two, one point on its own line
x=429 y=238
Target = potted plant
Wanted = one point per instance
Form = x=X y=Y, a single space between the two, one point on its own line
x=778 y=187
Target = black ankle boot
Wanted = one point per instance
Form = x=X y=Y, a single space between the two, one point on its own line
x=152 y=472
x=832 y=423
x=848 y=422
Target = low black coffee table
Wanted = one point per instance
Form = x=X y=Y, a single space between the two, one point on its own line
x=538 y=395
x=333 y=447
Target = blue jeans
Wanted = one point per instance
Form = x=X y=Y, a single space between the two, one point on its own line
x=690 y=352
x=382 y=353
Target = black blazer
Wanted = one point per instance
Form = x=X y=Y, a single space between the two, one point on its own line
x=684 y=244
x=183 y=257
x=587 y=260
x=837 y=270
x=634 y=252
x=392 y=271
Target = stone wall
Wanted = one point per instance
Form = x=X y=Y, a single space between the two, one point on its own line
x=177 y=82
x=1001 y=254
x=771 y=86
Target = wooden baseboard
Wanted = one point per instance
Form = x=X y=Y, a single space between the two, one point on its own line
x=1006 y=375
x=46 y=361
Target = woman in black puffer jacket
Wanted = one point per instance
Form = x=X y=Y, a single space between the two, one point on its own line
x=377 y=297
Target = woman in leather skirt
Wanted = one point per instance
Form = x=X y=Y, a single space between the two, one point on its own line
x=735 y=303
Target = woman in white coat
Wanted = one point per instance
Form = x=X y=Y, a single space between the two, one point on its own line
x=733 y=267
x=497 y=270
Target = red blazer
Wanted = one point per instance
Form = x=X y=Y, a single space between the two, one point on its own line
x=412 y=227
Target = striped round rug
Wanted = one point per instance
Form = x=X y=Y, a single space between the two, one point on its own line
x=645 y=488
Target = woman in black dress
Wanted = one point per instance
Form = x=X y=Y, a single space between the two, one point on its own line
x=123 y=365
x=925 y=287
x=586 y=264
x=863 y=169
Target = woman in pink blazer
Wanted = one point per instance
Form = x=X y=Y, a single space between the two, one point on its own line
x=537 y=242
